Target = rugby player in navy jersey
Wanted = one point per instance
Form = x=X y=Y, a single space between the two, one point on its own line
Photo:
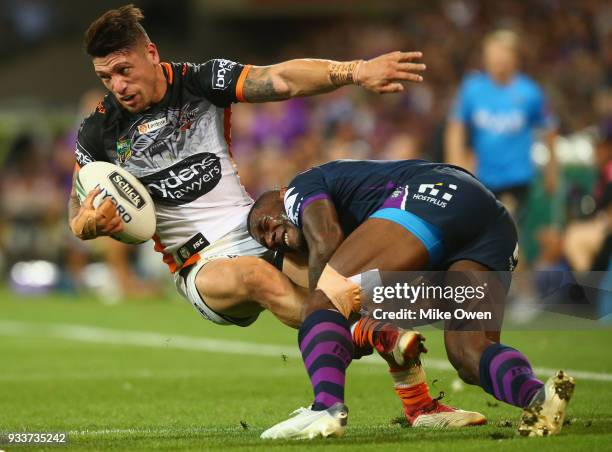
x=354 y=216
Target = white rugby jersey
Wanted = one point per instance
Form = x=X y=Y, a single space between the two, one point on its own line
x=180 y=150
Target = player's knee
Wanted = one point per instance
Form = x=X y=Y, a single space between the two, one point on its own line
x=262 y=282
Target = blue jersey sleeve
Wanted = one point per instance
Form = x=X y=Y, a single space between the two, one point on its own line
x=304 y=189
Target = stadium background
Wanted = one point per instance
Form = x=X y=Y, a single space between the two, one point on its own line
x=47 y=87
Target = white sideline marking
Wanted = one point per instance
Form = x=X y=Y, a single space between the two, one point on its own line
x=148 y=431
x=85 y=333
x=138 y=374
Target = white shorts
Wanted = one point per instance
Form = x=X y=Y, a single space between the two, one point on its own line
x=235 y=243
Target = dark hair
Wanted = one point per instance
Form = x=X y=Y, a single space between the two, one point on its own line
x=263 y=200
x=116 y=29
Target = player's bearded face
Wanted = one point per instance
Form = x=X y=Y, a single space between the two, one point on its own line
x=131 y=76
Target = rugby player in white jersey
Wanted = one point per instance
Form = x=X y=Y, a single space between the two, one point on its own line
x=169 y=125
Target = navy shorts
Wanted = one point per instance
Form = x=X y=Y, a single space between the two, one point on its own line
x=456 y=217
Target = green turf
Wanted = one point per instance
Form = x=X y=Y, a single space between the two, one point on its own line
x=136 y=397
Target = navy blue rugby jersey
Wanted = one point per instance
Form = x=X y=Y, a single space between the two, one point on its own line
x=358 y=188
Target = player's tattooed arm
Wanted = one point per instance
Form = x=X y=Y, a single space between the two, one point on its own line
x=294 y=78
x=264 y=84
x=307 y=77
x=323 y=234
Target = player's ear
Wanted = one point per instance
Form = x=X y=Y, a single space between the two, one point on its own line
x=152 y=53
x=282 y=192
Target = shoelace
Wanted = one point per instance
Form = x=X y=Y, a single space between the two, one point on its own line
x=441 y=395
x=435 y=403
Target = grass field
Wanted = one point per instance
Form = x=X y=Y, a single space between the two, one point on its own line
x=149 y=375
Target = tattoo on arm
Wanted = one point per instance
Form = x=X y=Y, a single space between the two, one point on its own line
x=343 y=73
x=259 y=86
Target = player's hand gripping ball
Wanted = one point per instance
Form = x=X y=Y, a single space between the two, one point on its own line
x=121 y=193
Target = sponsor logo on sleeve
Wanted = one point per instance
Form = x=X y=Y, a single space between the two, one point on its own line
x=82 y=156
x=221 y=73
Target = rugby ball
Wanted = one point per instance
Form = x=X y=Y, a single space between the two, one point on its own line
x=134 y=204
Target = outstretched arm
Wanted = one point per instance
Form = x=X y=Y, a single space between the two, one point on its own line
x=307 y=77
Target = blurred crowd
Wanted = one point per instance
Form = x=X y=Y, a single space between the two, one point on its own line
x=566 y=46
x=38 y=252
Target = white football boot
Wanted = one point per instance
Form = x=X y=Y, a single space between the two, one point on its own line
x=545 y=414
x=308 y=424
x=442 y=416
